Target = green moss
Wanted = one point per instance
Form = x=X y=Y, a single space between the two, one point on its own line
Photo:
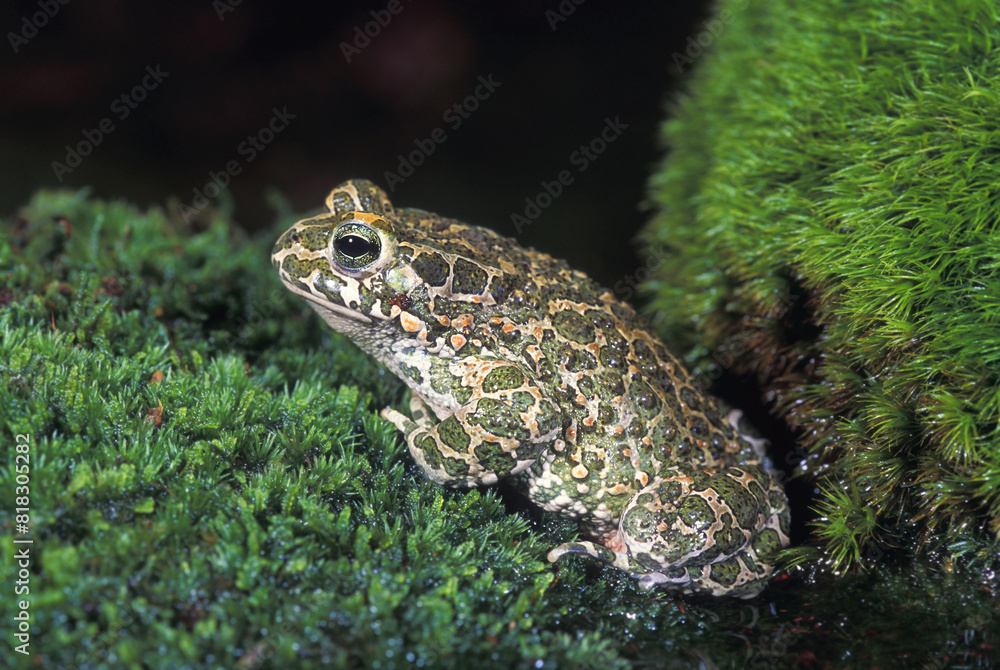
x=830 y=206
x=210 y=484
x=211 y=487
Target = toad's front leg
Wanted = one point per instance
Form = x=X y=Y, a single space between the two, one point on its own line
x=499 y=432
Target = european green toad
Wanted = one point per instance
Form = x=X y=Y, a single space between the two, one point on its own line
x=523 y=368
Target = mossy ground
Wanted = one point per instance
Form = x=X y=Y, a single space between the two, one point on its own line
x=211 y=487
x=832 y=204
x=208 y=485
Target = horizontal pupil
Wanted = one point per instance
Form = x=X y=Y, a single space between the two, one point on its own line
x=353 y=246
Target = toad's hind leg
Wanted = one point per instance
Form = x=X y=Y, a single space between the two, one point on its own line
x=698 y=531
x=648 y=577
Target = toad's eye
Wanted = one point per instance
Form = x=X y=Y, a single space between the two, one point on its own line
x=356 y=246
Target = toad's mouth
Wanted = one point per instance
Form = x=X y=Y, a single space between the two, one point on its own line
x=331 y=311
x=339 y=317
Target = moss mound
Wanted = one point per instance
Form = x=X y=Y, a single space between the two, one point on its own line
x=201 y=493
x=209 y=486
x=830 y=216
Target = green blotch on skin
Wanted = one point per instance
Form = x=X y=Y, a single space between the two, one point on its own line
x=637 y=430
x=411 y=372
x=613 y=359
x=574 y=327
x=445 y=383
x=463 y=394
x=369 y=197
x=342 y=202
x=605 y=414
x=600 y=319
x=546 y=370
x=315 y=237
x=469 y=278
x=696 y=513
x=745 y=505
x=593 y=462
x=726 y=572
x=648 y=561
x=494 y=459
x=639 y=522
x=664 y=435
x=573 y=360
x=767 y=542
x=430 y=452
x=296 y=269
x=728 y=539
x=497 y=418
x=500 y=379
x=451 y=433
x=644 y=398
x=521 y=401
x=368 y=298
x=668 y=492
x=610 y=383
x=500 y=288
x=432 y=268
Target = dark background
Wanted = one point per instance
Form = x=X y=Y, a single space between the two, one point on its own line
x=230 y=65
